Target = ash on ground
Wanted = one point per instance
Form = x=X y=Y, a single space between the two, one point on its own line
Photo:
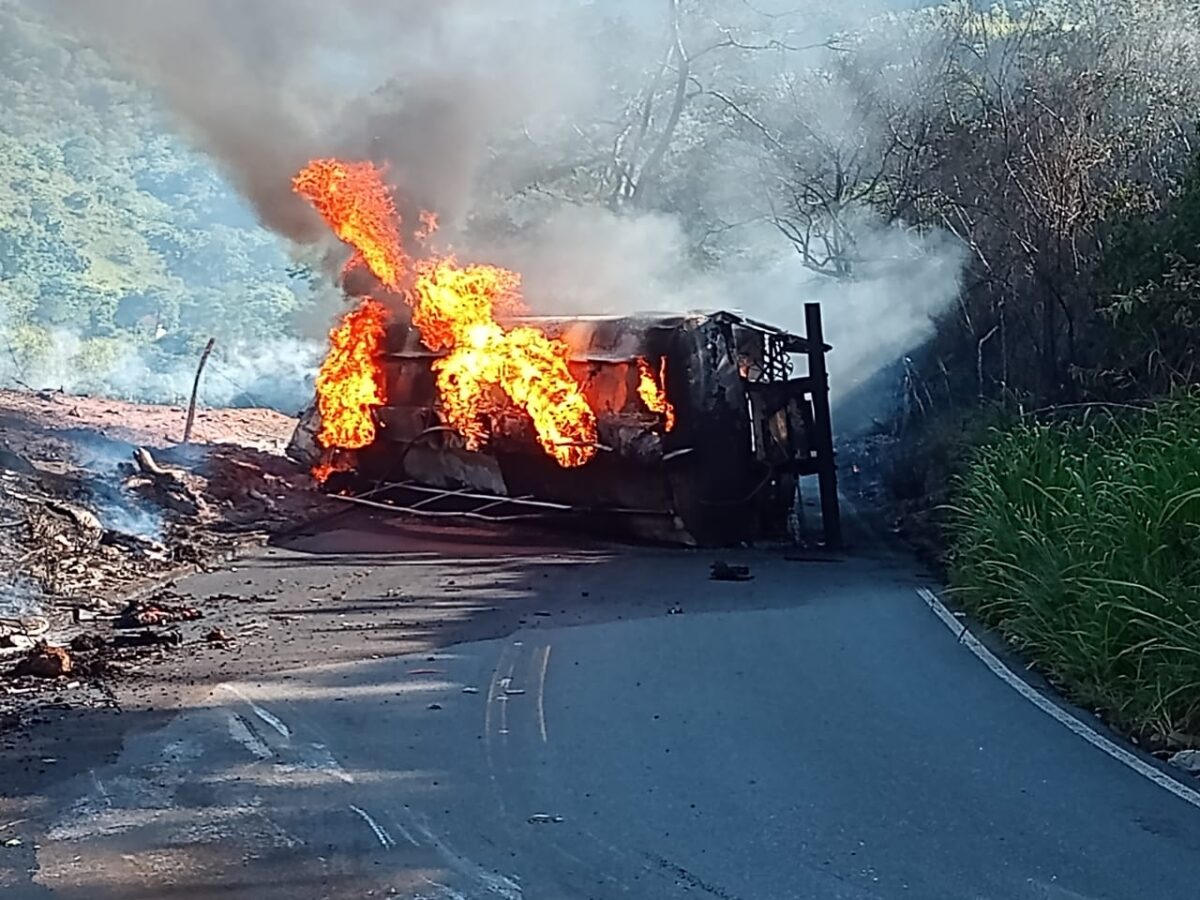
x=99 y=501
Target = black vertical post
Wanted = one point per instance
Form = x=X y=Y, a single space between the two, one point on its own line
x=831 y=517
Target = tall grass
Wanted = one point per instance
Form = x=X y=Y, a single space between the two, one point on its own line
x=1081 y=543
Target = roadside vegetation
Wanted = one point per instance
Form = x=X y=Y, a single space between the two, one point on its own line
x=122 y=250
x=1076 y=530
x=1080 y=542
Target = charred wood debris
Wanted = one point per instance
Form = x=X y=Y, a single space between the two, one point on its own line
x=89 y=519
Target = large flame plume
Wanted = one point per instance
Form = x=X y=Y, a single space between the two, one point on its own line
x=350 y=383
x=487 y=365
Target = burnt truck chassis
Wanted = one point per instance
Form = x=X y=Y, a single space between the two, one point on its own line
x=746 y=430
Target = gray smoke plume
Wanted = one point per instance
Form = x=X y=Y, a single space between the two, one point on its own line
x=265 y=86
x=105 y=464
x=587 y=260
x=473 y=104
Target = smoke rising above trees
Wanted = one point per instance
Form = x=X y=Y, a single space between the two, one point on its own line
x=939 y=172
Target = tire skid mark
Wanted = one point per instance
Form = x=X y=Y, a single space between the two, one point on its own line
x=241 y=731
x=495 y=883
x=536 y=667
x=266 y=715
x=506 y=662
x=541 y=694
x=381 y=834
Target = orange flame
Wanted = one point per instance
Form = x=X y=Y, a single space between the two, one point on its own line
x=652 y=392
x=455 y=308
x=350 y=383
x=352 y=198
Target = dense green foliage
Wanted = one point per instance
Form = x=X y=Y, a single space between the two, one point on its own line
x=1151 y=277
x=117 y=241
x=1080 y=539
x=1081 y=543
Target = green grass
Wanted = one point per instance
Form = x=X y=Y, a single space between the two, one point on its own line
x=1080 y=542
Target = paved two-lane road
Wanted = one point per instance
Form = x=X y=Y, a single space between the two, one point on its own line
x=816 y=733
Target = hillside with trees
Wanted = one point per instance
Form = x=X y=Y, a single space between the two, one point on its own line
x=121 y=249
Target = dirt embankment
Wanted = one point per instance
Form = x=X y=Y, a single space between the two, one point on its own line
x=99 y=502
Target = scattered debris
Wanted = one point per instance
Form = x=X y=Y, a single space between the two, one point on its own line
x=17 y=641
x=723 y=571
x=253 y=598
x=144 y=547
x=149 y=639
x=95 y=505
x=145 y=613
x=1186 y=760
x=84 y=520
x=219 y=636
x=45 y=661
x=88 y=643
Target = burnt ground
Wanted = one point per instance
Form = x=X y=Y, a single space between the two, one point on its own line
x=84 y=528
x=897 y=494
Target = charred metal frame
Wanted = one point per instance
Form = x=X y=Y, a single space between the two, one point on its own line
x=746 y=431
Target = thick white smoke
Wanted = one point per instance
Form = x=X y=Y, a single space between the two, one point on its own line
x=477 y=107
x=274 y=373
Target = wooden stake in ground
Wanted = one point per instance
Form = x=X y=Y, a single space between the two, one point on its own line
x=191 y=416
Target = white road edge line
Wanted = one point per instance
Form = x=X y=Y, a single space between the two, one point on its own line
x=385 y=840
x=1074 y=724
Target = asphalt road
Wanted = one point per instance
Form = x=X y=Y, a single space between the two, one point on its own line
x=814 y=733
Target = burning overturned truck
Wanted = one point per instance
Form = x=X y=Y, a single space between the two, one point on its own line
x=456 y=402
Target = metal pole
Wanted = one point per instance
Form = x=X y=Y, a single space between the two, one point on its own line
x=831 y=516
x=191 y=416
